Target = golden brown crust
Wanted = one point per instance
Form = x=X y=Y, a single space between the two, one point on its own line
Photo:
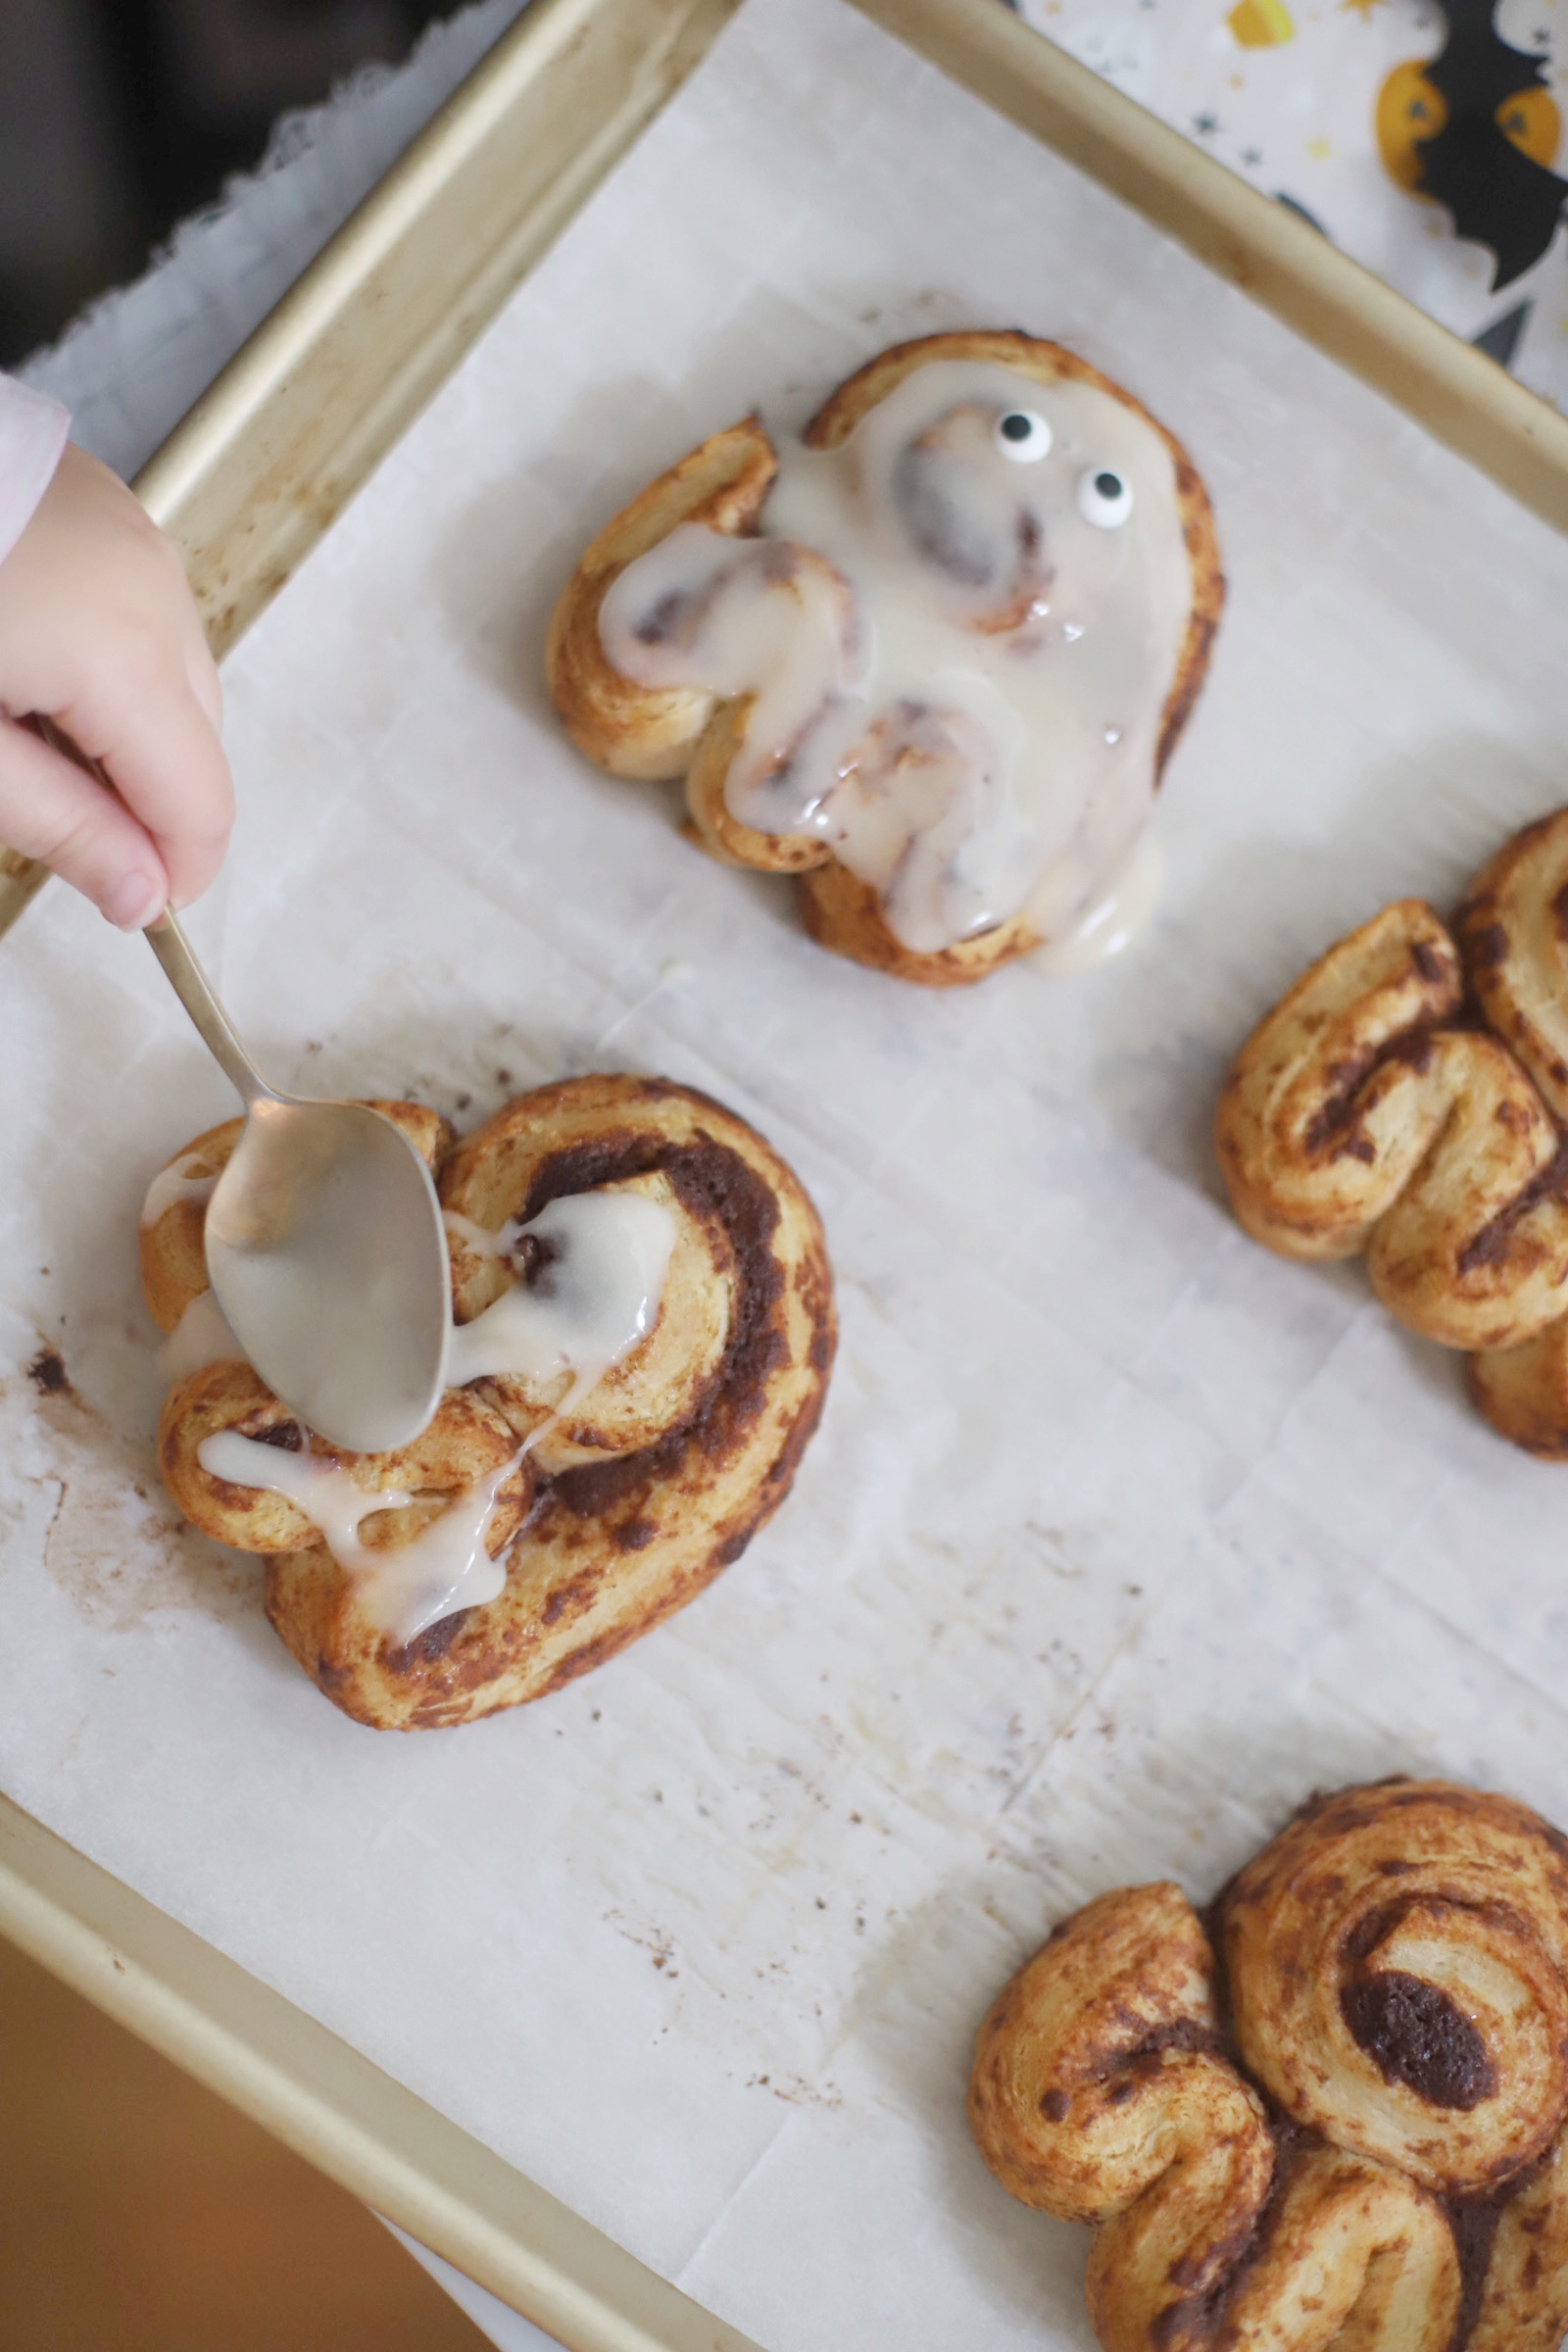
x=229 y=1396
x=1527 y=2279
x=1352 y=1120
x=1110 y=2027
x=844 y=914
x=646 y=1493
x=172 y=1249
x=708 y=821
x=637 y=731
x=467 y=1443
x=1396 y=1980
x=1512 y=931
x=1309 y=1166
x=1373 y=1891
x=1351 y=2254
x=1372 y=1111
x=1523 y=1391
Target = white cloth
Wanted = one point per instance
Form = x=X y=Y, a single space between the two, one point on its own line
x=32 y=434
x=132 y=365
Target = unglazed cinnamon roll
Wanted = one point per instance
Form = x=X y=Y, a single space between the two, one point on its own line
x=1404 y=1100
x=1332 y=2114
x=932 y=659
x=643 y=1334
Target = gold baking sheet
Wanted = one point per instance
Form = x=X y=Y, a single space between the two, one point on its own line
x=247 y=485
x=332 y=2106
x=266 y=460
x=248 y=482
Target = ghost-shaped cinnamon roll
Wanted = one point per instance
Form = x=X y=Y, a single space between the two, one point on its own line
x=932 y=658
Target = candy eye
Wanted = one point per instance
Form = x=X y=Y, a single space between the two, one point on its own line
x=1104 y=499
x=1023 y=436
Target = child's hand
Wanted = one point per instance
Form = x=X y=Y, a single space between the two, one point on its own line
x=98 y=632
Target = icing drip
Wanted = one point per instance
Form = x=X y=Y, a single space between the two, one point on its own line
x=765 y=616
x=184 y=1179
x=601 y=1260
x=596 y=1295
x=320 y=1486
x=1115 y=923
x=406 y=1586
x=958 y=629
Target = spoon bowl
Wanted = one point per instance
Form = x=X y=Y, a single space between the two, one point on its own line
x=327 y=1252
x=325 y=1245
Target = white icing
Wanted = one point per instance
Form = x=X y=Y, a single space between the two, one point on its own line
x=445 y=1568
x=476 y=1238
x=323 y=1490
x=405 y=1588
x=200 y=1338
x=598 y=1294
x=184 y=1179
x=958 y=671
x=1114 y=922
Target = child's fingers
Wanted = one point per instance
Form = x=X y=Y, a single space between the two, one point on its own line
x=202 y=671
x=99 y=634
x=52 y=810
x=160 y=750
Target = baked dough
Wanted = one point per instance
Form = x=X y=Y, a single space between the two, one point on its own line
x=1404 y=1100
x=1329 y=2115
x=645 y=731
x=610 y=1515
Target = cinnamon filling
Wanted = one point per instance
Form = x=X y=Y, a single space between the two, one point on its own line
x=1414 y=2033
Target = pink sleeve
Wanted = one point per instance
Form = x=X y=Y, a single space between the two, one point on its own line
x=32 y=434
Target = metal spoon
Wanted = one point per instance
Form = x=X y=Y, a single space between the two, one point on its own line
x=324 y=1245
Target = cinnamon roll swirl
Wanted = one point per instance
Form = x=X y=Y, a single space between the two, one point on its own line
x=1512 y=931
x=1404 y=1100
x=373 y=1502
x=1332 y=2114
x=643 y=1330
x=932 y=659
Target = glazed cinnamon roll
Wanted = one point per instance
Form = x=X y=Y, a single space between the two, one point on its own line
x=1405 y=1100
x=642 y=1333
x=932 y=659
x=1330 y=2115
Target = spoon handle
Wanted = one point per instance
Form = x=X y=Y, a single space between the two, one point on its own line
x=174 y=952
x=192 y=987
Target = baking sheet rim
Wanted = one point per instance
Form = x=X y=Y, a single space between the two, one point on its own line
x=334 y=2106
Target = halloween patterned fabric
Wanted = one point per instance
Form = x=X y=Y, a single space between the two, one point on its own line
x=1426 y=141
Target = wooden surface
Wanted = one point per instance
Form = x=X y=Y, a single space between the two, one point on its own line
x=140 y=2214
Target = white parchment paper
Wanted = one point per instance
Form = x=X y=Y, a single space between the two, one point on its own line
x=1119 y=1534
